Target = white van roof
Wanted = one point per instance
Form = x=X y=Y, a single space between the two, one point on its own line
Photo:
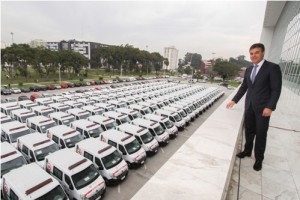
x=14 y=126
x=117 y=136
x=127 y=111
x=4 y=117
x=71 y=103
x=138 y=107
x=35 y=141
x=132 y=129
x=164 y=112
x=8 y=152
x=71 y=163
x=61 y=115
x=100 y=119
x=57 y=105
x=22 y=112
x=28 y=185
x=77 y=111
x=170 y=108
x=62 y=131
x=114 y=115
x=9 y=105
x=27 y=103
x=44 y=100
x=39 y=120
x=41 y=108
x=144 y=122
x=154 y=117
x=85 y=100
x=103 y=105
x=92 y=108
x=96 y=145
x=85 y=124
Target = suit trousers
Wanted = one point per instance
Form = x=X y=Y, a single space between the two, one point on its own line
x=256 y=126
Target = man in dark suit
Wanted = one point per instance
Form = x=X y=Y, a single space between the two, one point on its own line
x=262 y=82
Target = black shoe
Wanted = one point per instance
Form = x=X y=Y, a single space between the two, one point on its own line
x=257 y=165
x=243 y=154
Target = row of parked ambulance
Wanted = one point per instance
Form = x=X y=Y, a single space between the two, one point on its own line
x=78 y=143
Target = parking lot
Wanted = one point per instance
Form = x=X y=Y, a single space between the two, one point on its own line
x=138 y=177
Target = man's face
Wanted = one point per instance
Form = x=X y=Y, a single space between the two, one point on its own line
x=256 y=55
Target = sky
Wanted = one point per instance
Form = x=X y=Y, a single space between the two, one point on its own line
x=211 y=28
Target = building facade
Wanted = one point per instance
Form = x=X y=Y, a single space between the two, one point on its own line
x=38 y=43
x=171 y=53
x=281 y=36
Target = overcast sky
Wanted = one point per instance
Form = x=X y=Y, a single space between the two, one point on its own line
x=226 y=28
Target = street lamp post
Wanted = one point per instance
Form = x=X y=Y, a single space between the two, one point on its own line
x=148 y=63
x=59 y=74
x=12 y=37
x=192 y=66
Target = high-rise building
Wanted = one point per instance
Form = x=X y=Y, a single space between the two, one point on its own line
x=171 y=53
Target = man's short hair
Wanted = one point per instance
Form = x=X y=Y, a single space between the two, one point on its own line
x=258 y=45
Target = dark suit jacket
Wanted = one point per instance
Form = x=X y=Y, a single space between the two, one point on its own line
x=265 y=91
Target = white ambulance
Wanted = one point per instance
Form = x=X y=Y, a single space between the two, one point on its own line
x=119 y=118
x=62 y=118
x=4 y=118
x=6 y=108
x=93 y=110
x=40 y=124
x=186 y=109
x=165 y=122
x=87 y=128
x=31 y=182
x=21 y=115
x=173 y=116
x=42 y=110
x=35 y=147
x=179 y=111
x=27 y=104
x=12 y=130
x=106 y=123
x=79 y=113
x=78 y=176
x=99 y=99
x=143 y=136
x=128 y=146
x=155 y=129
x=106 y=158
x=59 y=107
x=64 y=136
x=10 y=159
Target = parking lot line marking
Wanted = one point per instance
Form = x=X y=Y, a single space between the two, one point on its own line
x=119 y=188
x=162 y=150
x=145 y=166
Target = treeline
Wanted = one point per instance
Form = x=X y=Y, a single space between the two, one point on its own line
x=46 y=62
x=17 y=58
x=128 y=58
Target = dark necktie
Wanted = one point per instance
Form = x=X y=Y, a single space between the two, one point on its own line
x=254 y=73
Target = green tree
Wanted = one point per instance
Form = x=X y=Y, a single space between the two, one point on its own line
x=226 y=69
x=187 y=70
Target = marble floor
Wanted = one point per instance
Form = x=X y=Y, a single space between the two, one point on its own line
x=279 y=178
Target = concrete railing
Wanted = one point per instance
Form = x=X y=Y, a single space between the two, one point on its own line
x=202 y=167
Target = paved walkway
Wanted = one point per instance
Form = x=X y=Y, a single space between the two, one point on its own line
x=280 y=175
